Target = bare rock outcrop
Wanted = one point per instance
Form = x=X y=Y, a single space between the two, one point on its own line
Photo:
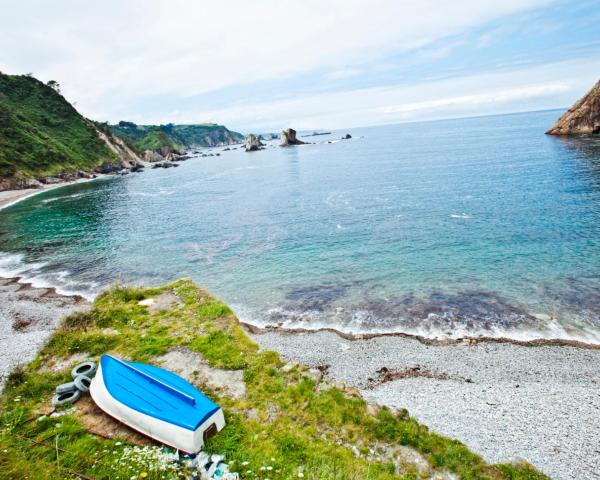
x=127 y=157
x=288 y=137
x=253 y=143
x=151 y=156
x=583 y=118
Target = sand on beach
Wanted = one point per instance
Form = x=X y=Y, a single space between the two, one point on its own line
x=10 y=197
x=503 y=400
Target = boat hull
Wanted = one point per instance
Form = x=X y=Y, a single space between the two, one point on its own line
x=190 y=441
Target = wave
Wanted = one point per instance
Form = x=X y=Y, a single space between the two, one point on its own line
x=40 y=275
x=456 y=316
x=54 y=199
x=316 y=321
x=437 y=316
x=160 y=193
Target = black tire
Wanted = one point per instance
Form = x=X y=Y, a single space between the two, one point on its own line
x=86 y=368
x=65 y=398
x=82 y=383
x=66 y=387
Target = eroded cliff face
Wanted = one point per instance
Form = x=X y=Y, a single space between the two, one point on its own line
x=583 y=118
x=126 y=157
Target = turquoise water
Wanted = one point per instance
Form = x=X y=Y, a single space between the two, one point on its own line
x=481 y=226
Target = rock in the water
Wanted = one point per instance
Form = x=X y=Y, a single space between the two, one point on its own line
x=288 y=137
x=347 y=137
x=164 y=165
x=583 y=118
x=253 y=143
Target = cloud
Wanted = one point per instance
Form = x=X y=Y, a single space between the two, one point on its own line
x=343 y=74
x=112 y=53
x=519 y=89
x=493 y=97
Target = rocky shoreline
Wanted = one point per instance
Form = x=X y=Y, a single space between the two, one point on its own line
x=505 y=400
x=28 y=316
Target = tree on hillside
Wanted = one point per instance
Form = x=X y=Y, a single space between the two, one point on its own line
x=54 y=85
x=129 y=125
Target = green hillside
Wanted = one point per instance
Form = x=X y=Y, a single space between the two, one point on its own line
x=174 y=137
x=41 y=134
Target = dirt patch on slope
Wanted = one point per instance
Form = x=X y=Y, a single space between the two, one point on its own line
x=195 y=369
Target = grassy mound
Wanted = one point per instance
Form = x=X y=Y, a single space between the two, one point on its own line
x=41 y=134
x=289 y=424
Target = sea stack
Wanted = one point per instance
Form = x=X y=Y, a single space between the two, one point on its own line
x=253 y=143
x=288 y=137
x=583 y=118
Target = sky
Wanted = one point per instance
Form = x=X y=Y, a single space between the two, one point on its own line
x=266 y=65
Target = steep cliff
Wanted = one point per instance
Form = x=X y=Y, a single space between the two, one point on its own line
x=583 y=118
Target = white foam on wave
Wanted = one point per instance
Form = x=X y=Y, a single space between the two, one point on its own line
x=460 y=215
x=282 y=318
x=13 y=265
x=74 y=195
x=160 y=193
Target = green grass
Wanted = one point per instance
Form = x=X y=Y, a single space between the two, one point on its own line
x=287 y=421
x=41 y=134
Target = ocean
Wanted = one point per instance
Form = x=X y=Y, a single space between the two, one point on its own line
x=446 y=229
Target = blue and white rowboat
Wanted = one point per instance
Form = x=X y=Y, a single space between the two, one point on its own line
x=156 y=402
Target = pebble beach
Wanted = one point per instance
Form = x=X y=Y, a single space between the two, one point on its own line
x=505 y=401
x=28 y=316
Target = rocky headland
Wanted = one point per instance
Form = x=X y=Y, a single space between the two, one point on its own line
x=583 y=118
